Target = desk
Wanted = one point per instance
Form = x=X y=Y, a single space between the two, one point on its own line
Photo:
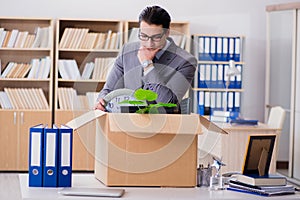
x=232 y=147
x=136 y=193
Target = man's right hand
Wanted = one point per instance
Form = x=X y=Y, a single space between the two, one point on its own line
x=100 y=105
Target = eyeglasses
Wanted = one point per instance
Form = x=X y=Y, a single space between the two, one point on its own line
x=154 y=38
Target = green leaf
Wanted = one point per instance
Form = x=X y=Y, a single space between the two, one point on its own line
x=169 y=105
x=153 y=110
x=148 y=95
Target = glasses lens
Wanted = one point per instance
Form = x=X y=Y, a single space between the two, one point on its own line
x=157 y=38
x=143 y=37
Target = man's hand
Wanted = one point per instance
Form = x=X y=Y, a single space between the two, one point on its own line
x=100 y=105
x=146 y=53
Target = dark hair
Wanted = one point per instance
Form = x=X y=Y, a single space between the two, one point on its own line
x=155 y=15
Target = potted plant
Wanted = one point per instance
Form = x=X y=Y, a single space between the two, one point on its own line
x=145 y=102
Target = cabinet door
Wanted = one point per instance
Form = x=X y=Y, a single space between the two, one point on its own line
x=279 y=85
x=28 y=119
x=8 y=140
x=83 y=141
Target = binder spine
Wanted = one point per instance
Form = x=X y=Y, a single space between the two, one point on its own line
x=50 y=157
x=65 y=157
x=35 y=168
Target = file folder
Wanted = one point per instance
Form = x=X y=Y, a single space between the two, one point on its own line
x=201 y=48
x=219 y=49
x=65 y=138
x=230 y=101
x=231 y=48
x=220 y=81
x=207 y=48
x=208 y=76
x=212 y=102
x=35 y=168
x=214 y=76
x=201 y=103
x=206 y=103
x=212 y=51
x=50 y=156
x=201 y=82
x=219 y=101
x=237 y=101
x=239 y=77
x=225 y=49
x=237 y=49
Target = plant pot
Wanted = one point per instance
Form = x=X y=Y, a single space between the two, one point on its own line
x=161 y=110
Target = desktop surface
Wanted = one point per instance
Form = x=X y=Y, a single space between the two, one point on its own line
x=138 y=193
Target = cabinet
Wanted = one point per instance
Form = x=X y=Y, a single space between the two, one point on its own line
x=180 y=32
x=85 y=51
x=282 y=78
x=213 y=88
x=26 y=55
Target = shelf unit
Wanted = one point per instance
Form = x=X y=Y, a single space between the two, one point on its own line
x=78 y=87
x=212 y=89
x=23 y=113
x=178 y=28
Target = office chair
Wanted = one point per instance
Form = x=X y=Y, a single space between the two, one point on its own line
x=276 y=117
x=275 y=120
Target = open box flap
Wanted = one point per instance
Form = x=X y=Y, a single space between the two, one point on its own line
x=211 y=126
x=94 y=114
x=156 y=123
x=85 y=118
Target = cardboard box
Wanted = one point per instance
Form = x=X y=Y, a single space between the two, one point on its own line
x=145 y=150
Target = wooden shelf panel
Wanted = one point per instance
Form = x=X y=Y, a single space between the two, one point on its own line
x=218 y=62
x=218 y=90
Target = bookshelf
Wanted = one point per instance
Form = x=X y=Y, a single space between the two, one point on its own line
x=26 y=55
x=213 y=88
x=85 y=51
x=180 y=32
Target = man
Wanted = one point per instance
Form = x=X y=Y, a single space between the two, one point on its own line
x=155 y=63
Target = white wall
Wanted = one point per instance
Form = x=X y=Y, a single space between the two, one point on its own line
x=241 y=17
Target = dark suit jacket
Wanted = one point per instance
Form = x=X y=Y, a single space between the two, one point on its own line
x=170 y=79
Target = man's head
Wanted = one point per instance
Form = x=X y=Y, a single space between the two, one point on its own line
x=154 y=27
x=155 y=15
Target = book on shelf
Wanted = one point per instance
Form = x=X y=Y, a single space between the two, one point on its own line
x=133 y=35
x=20 y=41
x=92 y=99
x=264 y=191
x=2 y=35
x=4 y=101
x=102 y=68
x=68 y=69
x=107 y=39
x=6 y=39
x=12 y=38
x=88 y=70
x=26 y=98
x=69 y=100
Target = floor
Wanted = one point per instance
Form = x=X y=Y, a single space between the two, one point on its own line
x=10 y=188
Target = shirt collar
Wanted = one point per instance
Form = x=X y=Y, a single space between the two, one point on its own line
x=160 y=52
